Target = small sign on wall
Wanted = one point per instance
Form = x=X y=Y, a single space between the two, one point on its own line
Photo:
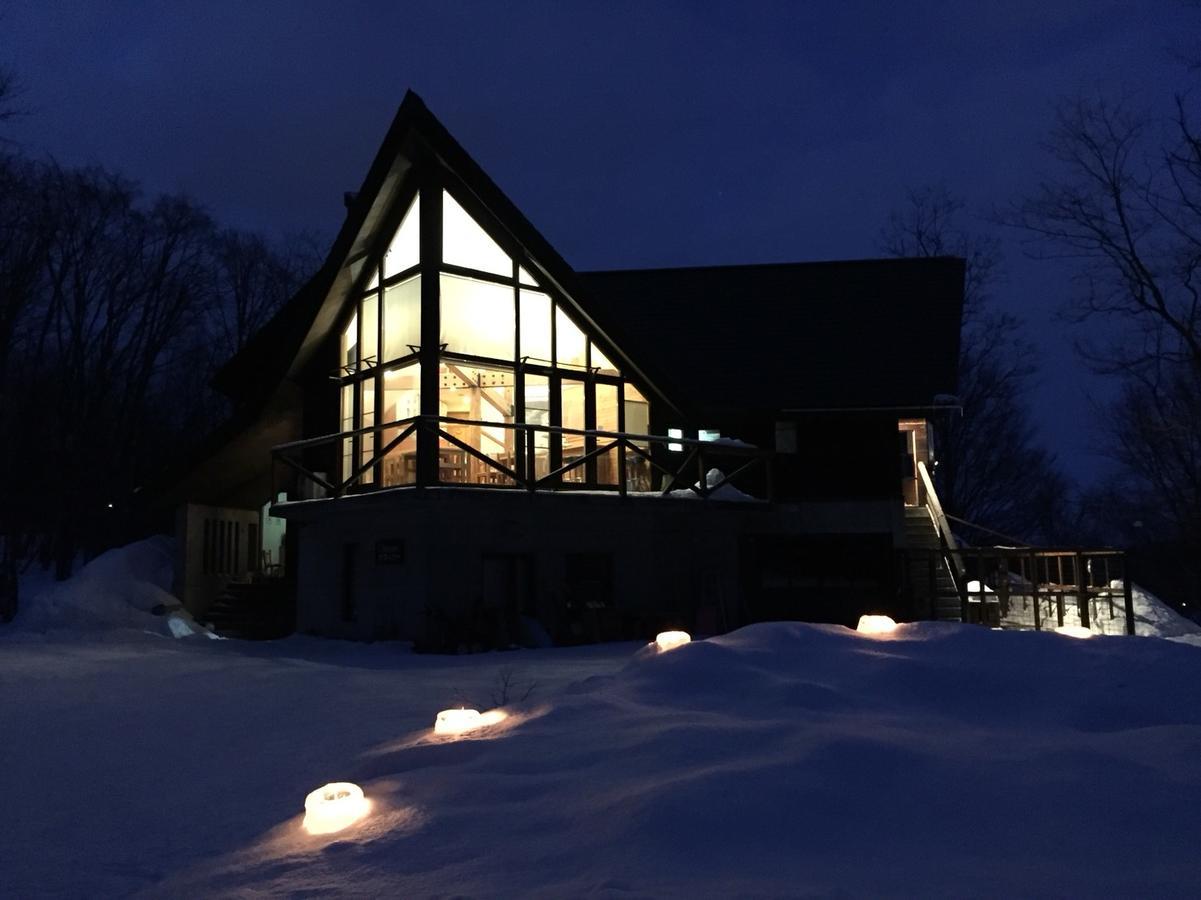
x=389 y=552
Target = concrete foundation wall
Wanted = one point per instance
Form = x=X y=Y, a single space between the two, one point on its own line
x=378 y=566
x=375 y=565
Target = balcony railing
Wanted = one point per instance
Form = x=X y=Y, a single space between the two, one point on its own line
x=639 y=458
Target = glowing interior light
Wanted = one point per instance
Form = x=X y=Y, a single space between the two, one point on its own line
x=875 y=625
x=1076 y=631
x=669 y=640
x=334 y=807
x=457 y=721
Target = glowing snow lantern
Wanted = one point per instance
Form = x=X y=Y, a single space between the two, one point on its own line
x=457 y=721
x=1076 y=631
x=333 y=807
x=669 y=640
x=875 y=625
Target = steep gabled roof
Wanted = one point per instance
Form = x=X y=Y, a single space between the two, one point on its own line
x=284 y=345
x=859 y=333
x=852 y=334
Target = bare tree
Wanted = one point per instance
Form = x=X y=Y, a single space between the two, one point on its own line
x=10 y=90
x=1122 y=207
x=991 y=470
x=253 y=278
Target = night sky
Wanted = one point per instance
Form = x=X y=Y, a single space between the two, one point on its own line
x=631 y=134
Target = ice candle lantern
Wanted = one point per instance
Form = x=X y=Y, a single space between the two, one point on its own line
x=875 y=625
x=1076 y=631
x=669 y=640
x=457 y=721
x=333 y=807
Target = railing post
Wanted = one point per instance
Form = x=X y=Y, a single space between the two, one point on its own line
x=1082 y=590
x=932 y=564
x=1128 y=594
x=1034 y=591
x=621 y=466
x=531 y=466
x=963 y=593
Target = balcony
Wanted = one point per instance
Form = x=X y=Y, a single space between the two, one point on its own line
x=425 y=450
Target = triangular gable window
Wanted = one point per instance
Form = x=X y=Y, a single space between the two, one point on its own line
x=405 y=250
x=511 y=349
x=466 y=244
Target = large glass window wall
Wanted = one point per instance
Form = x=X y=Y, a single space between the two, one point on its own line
x=509 y=352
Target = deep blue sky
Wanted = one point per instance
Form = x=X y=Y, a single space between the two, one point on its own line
x=631 y=134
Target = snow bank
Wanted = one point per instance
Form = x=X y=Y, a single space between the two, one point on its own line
x=1155 y=618
x=778 y=761
x=122 y=589
x=726 y=491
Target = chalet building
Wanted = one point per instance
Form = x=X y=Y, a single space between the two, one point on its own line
x=451 y=436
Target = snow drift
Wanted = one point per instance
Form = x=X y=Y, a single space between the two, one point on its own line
x=127 y=588
x=787 y=760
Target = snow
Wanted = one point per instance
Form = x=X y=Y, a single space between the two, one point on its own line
x=780 y=760
x=1152 y=617
x=713 y=479
x=125 y=589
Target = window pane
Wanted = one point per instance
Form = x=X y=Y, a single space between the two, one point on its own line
x=572 y=398
x=367 y=419
x=370 y=334
x=569 y=341
x=477 y=317
x=525 y=277
x=480 y=394
x=537 y=412
x=374 y=282
x=405 y=249
x=606 y=420
x=347 y=425
x=465 y=244
x=535 y=326
x=637 y=421
x=402 y=318
x=601 y=363
x=350 y=344
x=402 y=400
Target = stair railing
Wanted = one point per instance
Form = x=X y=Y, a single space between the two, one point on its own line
x=946 y=539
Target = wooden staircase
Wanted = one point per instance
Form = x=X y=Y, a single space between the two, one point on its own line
x=929 y=582
x=254 y=611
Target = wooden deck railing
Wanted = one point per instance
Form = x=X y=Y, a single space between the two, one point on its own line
x=1055 y=577
x=685 y=469
x=1090 y=580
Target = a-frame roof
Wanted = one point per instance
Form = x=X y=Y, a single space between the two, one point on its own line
x=850 y=334
x=284 y=346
